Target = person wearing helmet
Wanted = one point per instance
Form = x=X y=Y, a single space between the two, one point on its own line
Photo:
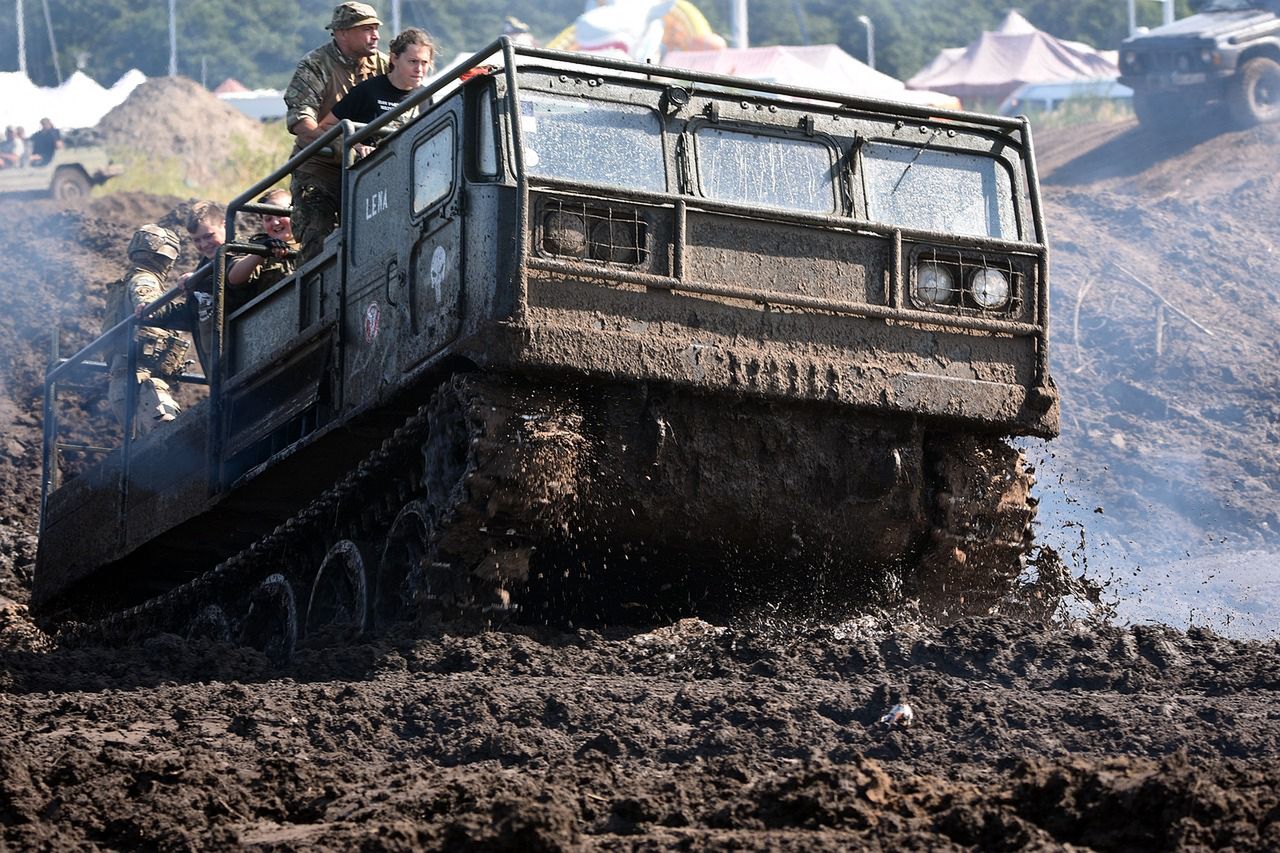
x=161 y=351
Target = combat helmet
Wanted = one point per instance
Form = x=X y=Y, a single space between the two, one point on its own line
x=155 y=240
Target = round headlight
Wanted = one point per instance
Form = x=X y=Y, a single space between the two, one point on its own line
x=989 y=288
x=564 y=233
x=934 y=283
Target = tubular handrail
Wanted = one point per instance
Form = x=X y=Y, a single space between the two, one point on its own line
x=512 y=52
x=65 y=366
x=106 y=337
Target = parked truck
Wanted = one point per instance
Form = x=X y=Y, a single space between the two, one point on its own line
x=1227 y=54
x=594 y=325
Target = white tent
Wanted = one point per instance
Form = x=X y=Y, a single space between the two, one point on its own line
x=996 y=63
x=824 y=67
x=79 y=102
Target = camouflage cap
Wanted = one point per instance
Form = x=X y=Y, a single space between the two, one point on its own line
x=348 y=15
x=156 y=240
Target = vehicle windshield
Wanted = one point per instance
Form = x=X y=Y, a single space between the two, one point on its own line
x=931 y=189
x=765 y=170
x=596 y=142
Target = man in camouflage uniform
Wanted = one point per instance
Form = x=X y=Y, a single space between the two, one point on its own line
x=152 y=252
x=322 y=78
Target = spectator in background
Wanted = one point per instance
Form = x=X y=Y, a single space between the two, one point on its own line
x=518 y=31
x=413 y=55
x=21 y=134
x=44 y=142
x=322 y=78
x=12 y=150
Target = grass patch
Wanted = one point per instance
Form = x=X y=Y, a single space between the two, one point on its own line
x=246 y=162
x=1078 y=111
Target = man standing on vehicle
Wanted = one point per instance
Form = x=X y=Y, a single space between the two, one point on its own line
x=322 y=78
x=152 y=252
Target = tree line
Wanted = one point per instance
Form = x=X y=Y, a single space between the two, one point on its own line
x=259 y=43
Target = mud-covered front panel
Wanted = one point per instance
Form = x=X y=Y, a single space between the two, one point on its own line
x=736 y=346
x=777 y=258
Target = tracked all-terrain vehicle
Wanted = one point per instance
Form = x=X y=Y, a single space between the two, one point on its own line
x=585 y=317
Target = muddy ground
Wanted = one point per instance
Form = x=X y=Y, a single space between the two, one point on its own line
x=751 y=735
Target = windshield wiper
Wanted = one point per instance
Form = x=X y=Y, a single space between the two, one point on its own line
x=927 y=142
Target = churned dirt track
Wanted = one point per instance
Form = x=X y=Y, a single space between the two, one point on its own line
x=751 y=736
x=685 y=737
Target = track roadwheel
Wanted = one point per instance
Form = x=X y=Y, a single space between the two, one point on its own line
x=416 y=578
x=1254 y=94
x=69 y=184
x=400 y=571
x=271 y=625
x=339 y=596
x=211 y=624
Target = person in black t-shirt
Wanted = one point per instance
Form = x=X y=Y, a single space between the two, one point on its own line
x=44 y=142
x=412 y=57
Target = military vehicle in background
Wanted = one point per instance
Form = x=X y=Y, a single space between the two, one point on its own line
x=76 y=168
x=593 y=329
x=1227 y=54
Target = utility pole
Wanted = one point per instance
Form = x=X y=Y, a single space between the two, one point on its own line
x=53 y=45
x=395 y=18
x=871 y=40
x=1133 y=18
x=740 y=39
x=22 y=41
x=173 y=39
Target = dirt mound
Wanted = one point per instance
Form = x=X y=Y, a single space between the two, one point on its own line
x=176 y=119
x=1167 y=331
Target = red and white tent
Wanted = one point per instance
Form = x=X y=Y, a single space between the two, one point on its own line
x=823 y=66
x=996 y=63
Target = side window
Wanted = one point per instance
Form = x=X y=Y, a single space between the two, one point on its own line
x=433 y=168
x=486 y=124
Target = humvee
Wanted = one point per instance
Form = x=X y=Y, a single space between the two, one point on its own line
x=1228 y=53
x=587 y=319
x=71 y=173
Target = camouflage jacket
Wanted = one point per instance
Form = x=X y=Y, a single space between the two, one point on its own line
x=160 y=350
x=270 y=271
x=322 y=77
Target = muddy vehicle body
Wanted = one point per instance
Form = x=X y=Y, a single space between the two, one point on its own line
x=586 y=316
x=1227 y=54
x=76 y=168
